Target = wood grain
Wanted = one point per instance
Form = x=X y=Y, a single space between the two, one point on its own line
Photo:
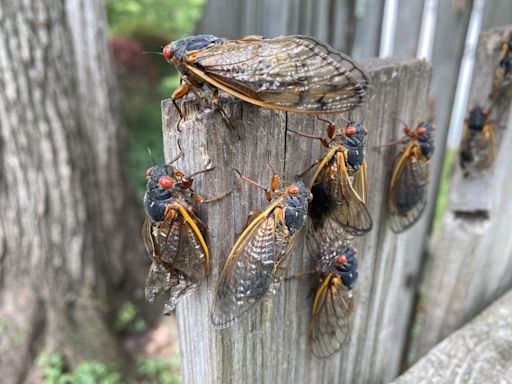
x=479 y=352
x=270 y=346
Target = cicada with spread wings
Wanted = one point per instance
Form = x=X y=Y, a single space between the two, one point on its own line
x=254 y=267
x=407 y=192
x=478 y=146
x=333 y=305
x=172 y=236
x=339 y=188
x=292 y=73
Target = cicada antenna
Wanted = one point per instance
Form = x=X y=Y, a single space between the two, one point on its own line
x=397 y=118
x=153 y=52
x=151 y=156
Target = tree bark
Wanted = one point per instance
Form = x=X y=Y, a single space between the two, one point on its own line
x=66 y=232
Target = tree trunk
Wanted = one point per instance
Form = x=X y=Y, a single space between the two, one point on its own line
x=65 y=210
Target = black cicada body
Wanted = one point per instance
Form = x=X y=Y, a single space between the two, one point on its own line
x=339 y=188
x=172 y=236
x=407 y=192
x=253 y=269
x=333 y=305
x=478 y=146
x=292 y=73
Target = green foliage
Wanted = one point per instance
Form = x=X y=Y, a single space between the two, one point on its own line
x=145 y=122
x=54 y=370
x=127 y=319
x=170 y=18
x=161 y=371
x=450 y=158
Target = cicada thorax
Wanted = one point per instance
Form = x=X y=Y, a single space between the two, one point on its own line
x=408 y=188
x=339 y=188
x=333 y=304
x=293 y=73
x=502 y=79
x=173 y=238
x=254 y=267
x=478 y=145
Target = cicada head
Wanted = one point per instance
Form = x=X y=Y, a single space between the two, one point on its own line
x=296 y=201
x=174 y=52
x=423 y=134
x=477 y=118
x=159 y=191
x=340 y=260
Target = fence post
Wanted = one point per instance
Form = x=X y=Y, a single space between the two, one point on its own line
x=471 y=263
x=477 y=353
x=271 y=345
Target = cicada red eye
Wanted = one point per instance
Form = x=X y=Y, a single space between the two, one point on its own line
x=165 y=181
x=293 y=189
x=167 y=51
x=350 y=130
x=420 y=131
x=148 y=171
x=341 y=259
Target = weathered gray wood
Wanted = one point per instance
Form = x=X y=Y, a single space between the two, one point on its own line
x=271 y=345
x=497 y=13
x=367 y=28
x=408 y=25
x=480 y=352
x=471 y=263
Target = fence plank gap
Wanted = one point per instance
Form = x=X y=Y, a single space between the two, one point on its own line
x=271 y=346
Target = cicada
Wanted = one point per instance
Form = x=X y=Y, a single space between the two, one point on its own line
x=407 y=192
x=291 y=73
x=502 y=79
x=255 y=265
x=172 y=234
x=339 y=188
x=333 y=305
x=478 y=146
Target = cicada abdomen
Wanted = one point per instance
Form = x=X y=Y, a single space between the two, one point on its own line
x=502 y=79
x=408 y=188
x=339 y=187
x=293 y=73
x=172 y=235
x=333 y=305
x=254 y=267
x=478 y=146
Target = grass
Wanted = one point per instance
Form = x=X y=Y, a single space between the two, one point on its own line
x=444 y=187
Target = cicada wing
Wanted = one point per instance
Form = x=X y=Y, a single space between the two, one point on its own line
x=249 y=271
x=146 y=236
x=294 y=73
x=360 y=182
x=179 y=249
x=407 y=196
x=158 y=281
x=331 y=317
x=486 y=146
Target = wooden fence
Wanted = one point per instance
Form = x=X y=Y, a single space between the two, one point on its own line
x=271 y=345
x=467 y=265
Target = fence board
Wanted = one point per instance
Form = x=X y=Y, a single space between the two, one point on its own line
x=368 y=23
x=271 y=345
x=480 y=352
x=472 y=261
x=408 y=25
